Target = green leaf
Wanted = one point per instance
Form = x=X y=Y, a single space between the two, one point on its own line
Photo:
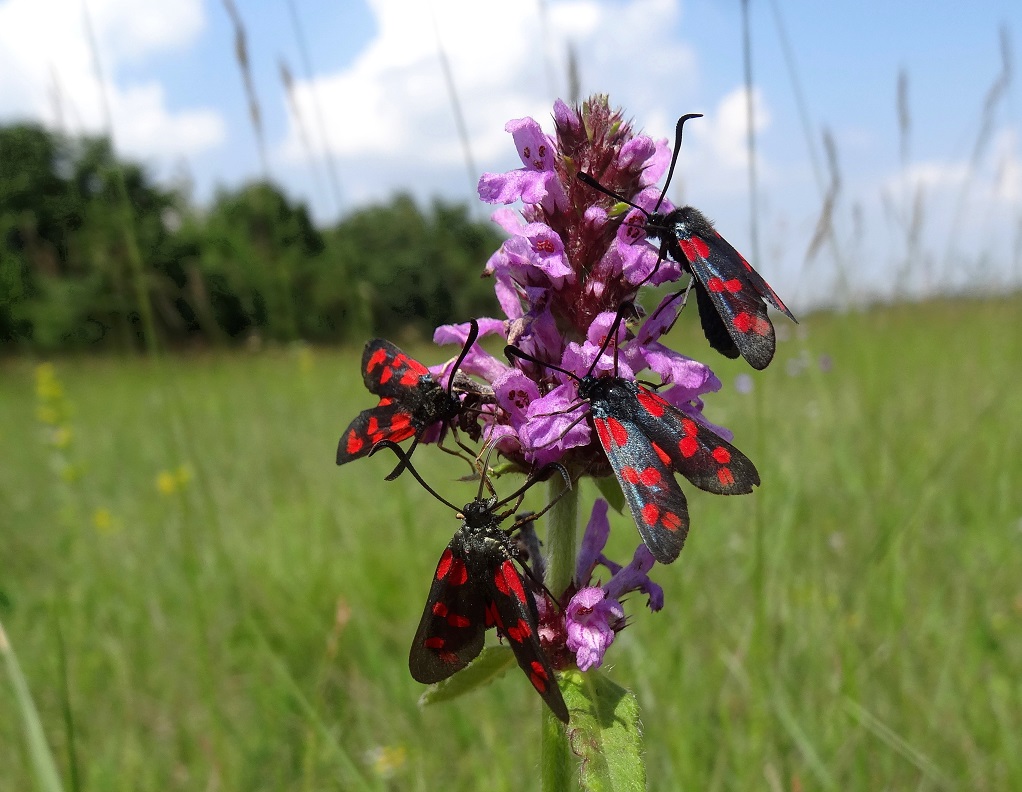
x=492 y=662
x=604 y=732
x=611 y=490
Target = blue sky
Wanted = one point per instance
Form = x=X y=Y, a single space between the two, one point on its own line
x=178 y=105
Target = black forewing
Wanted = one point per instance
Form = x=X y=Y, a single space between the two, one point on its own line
x=714 y=329
x=736 y=291
x=389 y=420
x=698 y=453
x=453 y=625
x=389 y=372
x=513 y=609
x=654 y=497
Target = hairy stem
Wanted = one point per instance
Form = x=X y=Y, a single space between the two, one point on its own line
x=562 y=545
x=561 y=536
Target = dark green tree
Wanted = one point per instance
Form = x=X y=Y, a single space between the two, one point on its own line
x=414 y=271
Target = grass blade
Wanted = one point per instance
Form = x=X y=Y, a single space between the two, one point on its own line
x=45 y=768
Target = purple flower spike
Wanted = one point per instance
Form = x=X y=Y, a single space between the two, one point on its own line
x=594 y=614
x=591 y=619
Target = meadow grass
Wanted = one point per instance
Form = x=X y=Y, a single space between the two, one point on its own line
x=200 y=599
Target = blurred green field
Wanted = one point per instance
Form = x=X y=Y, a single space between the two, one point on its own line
x=243 y=622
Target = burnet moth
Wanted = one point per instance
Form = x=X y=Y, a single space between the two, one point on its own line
x=411 y=401
x=647 y=440
x=731 y=295
x=477 y=586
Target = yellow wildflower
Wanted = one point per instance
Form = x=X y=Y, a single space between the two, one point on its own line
x=166 y=482
x=388 y=760
x=103 y=521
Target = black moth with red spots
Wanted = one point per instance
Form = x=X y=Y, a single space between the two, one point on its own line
x=647 y=440
x=477 y=586
x=411 y=401
x=731 y=295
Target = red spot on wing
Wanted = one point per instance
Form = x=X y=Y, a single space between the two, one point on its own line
x=493 y=616
x=664 y=457
x=439 y=609
x=649 y=477
x=618 y=433
x=654 y=404
x=722 y=455
x=451 y=568
x=373 y=427
x=520 y=631
x=386 y=374
x=385 y=402
x=746 y=322
x=458 y=621
x=651 y=514
x=417 y=368
x=726 y=477
x=694 y=248
x=379 y=357
x=601 y=430
x=508 y=581
x=448 y=657
x=355 y=443
x=688 y=446
x=671 y=521
x=538 y=676
x=717 y=285
x=401 y=427
x=434 y=642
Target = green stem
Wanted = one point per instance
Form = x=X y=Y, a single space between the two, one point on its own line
x=561 y=536
x=557 y=766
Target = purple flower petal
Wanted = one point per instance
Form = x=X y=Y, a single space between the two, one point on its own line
x=509 y=220
x=566 y=117
x=676 y=369
x=593 y=541
x=514 y=393
x=534 y=146
x=656 y=165
x=661 y=320
x=478 y=361
x=634 y=578
x=589 y=619
x=537 y=182
x=552 y=425
x=635 y=152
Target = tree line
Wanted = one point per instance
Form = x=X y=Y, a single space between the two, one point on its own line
x=93 y=252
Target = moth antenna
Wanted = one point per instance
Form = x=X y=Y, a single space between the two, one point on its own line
x=585 y=178
x=515 y=352
x=473 y=334
x=674 y=156
x=405 y=462
x=541 y=475
x=483 y=477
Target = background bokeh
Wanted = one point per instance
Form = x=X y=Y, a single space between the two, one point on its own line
x=207 y=207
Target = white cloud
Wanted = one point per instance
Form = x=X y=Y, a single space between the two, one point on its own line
x=726 y=129
x=389 y=115
x=47 y=71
